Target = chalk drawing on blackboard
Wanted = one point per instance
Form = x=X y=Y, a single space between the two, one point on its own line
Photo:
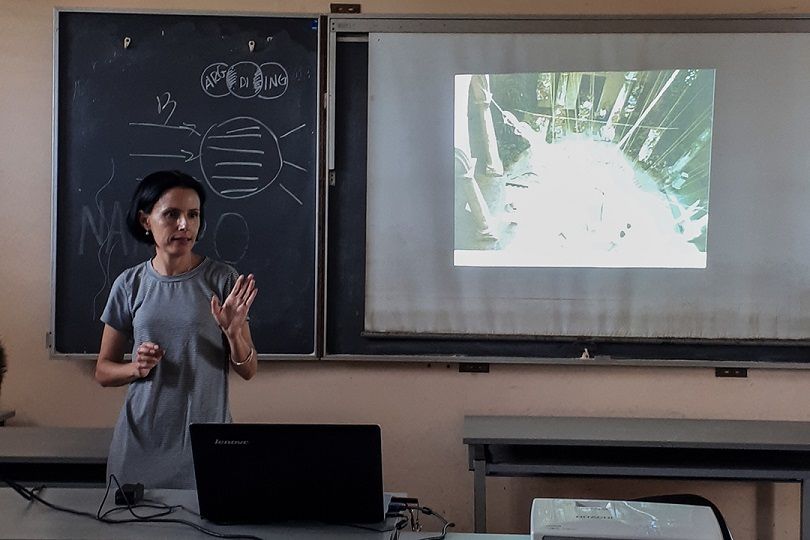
x=293 y=130
x=233 y=247
x=238 y=158
x=290 y=193
x=274 y=80
x=107 y=244
x=166 y=104
x=232 y=150
x=180 y=153
x=300 y=168
x=245 y=80
x=241 y=157
x=213 y=80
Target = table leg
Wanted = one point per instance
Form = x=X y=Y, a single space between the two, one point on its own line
x=480 y=496
x=804 y=527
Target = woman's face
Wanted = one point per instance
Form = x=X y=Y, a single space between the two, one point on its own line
x=174 y=221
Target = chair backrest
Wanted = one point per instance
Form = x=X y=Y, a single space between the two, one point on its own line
x=694 y=500
x=2 y=364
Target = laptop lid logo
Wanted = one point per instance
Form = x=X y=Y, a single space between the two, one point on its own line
x=231 y=442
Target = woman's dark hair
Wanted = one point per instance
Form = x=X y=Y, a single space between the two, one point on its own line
x=149 y=190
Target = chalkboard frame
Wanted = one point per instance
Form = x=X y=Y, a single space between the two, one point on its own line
x=318 y=170
x=344 y=335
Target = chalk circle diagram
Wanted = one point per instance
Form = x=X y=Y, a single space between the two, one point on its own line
x=240 y=157
x=245 y=80
x=233 y=247
x=213 y=80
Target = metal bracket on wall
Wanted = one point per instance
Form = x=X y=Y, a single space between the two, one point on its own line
x=731 y=372
x=473 y=367
x=344 y=8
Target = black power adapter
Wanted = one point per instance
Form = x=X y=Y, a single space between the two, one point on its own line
x=400 y=504
x=129 y=494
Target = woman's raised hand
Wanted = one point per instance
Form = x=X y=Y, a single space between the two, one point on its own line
x=231 y=314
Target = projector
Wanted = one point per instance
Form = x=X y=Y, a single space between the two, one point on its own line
x=573 y=519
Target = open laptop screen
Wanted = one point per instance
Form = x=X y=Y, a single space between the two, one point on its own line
x=259 y=473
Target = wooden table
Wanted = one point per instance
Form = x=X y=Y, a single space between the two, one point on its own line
x=637 y=447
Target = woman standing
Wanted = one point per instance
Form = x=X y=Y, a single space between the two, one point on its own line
x=184 y=338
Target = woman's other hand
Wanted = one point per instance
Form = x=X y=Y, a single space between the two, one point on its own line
x=147 y=356
x=112 y=370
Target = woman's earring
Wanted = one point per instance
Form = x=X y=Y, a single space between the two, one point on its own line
x=147 y=232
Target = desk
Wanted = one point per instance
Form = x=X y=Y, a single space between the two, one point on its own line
x=21 y=520
x=55 y=455
x=637 y=447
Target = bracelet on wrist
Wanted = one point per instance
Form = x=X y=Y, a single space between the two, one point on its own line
x=247 y=359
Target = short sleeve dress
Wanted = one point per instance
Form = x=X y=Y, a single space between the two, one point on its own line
x=151 y=442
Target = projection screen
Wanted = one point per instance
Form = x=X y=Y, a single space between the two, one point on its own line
x=605 y=185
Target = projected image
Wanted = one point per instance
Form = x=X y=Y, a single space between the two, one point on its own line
x=583 y=169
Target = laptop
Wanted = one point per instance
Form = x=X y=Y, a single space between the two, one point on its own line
x=264 y=473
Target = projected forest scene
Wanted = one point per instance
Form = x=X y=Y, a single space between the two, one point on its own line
x=583 y=169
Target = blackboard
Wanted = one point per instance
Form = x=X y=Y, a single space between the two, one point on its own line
x=345 y=337
x=231 y=100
